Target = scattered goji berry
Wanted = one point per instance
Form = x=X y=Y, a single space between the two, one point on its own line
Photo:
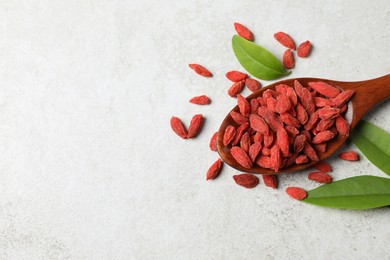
x=296 y=193
x=285 y=40
x=349 y=156
x=304 y=49
x=236 y=76
x=178 y=127
x=320 y=177
x=213 y=142
x=200 y=100
x=288 y=59
x=214 y=170
x=243 y=31
x=246 y=180
x=270 y=181
x=323 y=166
x=199 y=69
x=195 y=125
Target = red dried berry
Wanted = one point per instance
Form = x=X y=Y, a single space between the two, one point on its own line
x=288 y=59
x=236 y=76
x=236 y=88
x=285 y=40
x=342 y=98
x=195 y=126
x=238 y=118
x=342 y=126
x=199 y=69
x=270 y=181
x=178 y=127
x=349 y=156
x=229 y=134
x=258 y=124
x=320 y=177
x=323 y=166
x=200 y=100
x=213 y=142
x=243 y=105
x=240 y=131
x=325 y=89
x=254 y=150
x=214 y=170
x=322 y=137
x=304 y=49
x=296 y=193
x=301 y=159
x=241 y=157
x=246 y=180
x=243 y=31
x=252 y=84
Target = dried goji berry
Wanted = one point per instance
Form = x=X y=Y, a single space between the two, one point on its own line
x=236 y=88
x=299 y=143
x=258 y=124
x=240 y=131
x=241 y=157
x=270 y=181
x=200 y=70
x=301 y=159
x=245 y=142
x=310 y=152
x=349 y=156
x=342 y=126
x=200 y=100
x=238 y=118
x=296 y=193
x=285 y=40
x=276 y=157
x=246 y=180
x=236 y=76
x=254 y=105
x=288 y=59
x=302 y=115
x=342 y=98
x=328 y=112
x=304 y=49
x=243 y=105
x=324 y=89
x=322 y=137
x=252 y=84
x=254 y=150
x=195 y=125
x=178 y=127
x=323 y=166
x=214 y=170
x=282 y=141
x=264 y=161
x=229 y=134
x=320 y=177
x=213 y=142
x=243 y=31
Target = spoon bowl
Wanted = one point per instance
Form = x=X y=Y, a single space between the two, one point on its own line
x=367 y=94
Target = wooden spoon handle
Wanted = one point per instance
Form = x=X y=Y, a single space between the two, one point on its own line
x=367 y=94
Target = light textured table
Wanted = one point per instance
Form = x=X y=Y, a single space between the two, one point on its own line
x=90 y=168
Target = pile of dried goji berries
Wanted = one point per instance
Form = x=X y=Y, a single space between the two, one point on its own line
x=285 y=126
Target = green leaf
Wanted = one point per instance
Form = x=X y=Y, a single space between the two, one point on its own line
x=256 y=60
x=374 y=143
x=359 y=192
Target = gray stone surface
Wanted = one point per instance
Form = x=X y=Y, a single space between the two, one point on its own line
x=90 y=168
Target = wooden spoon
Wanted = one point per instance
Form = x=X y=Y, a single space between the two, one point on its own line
x=367 y=94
